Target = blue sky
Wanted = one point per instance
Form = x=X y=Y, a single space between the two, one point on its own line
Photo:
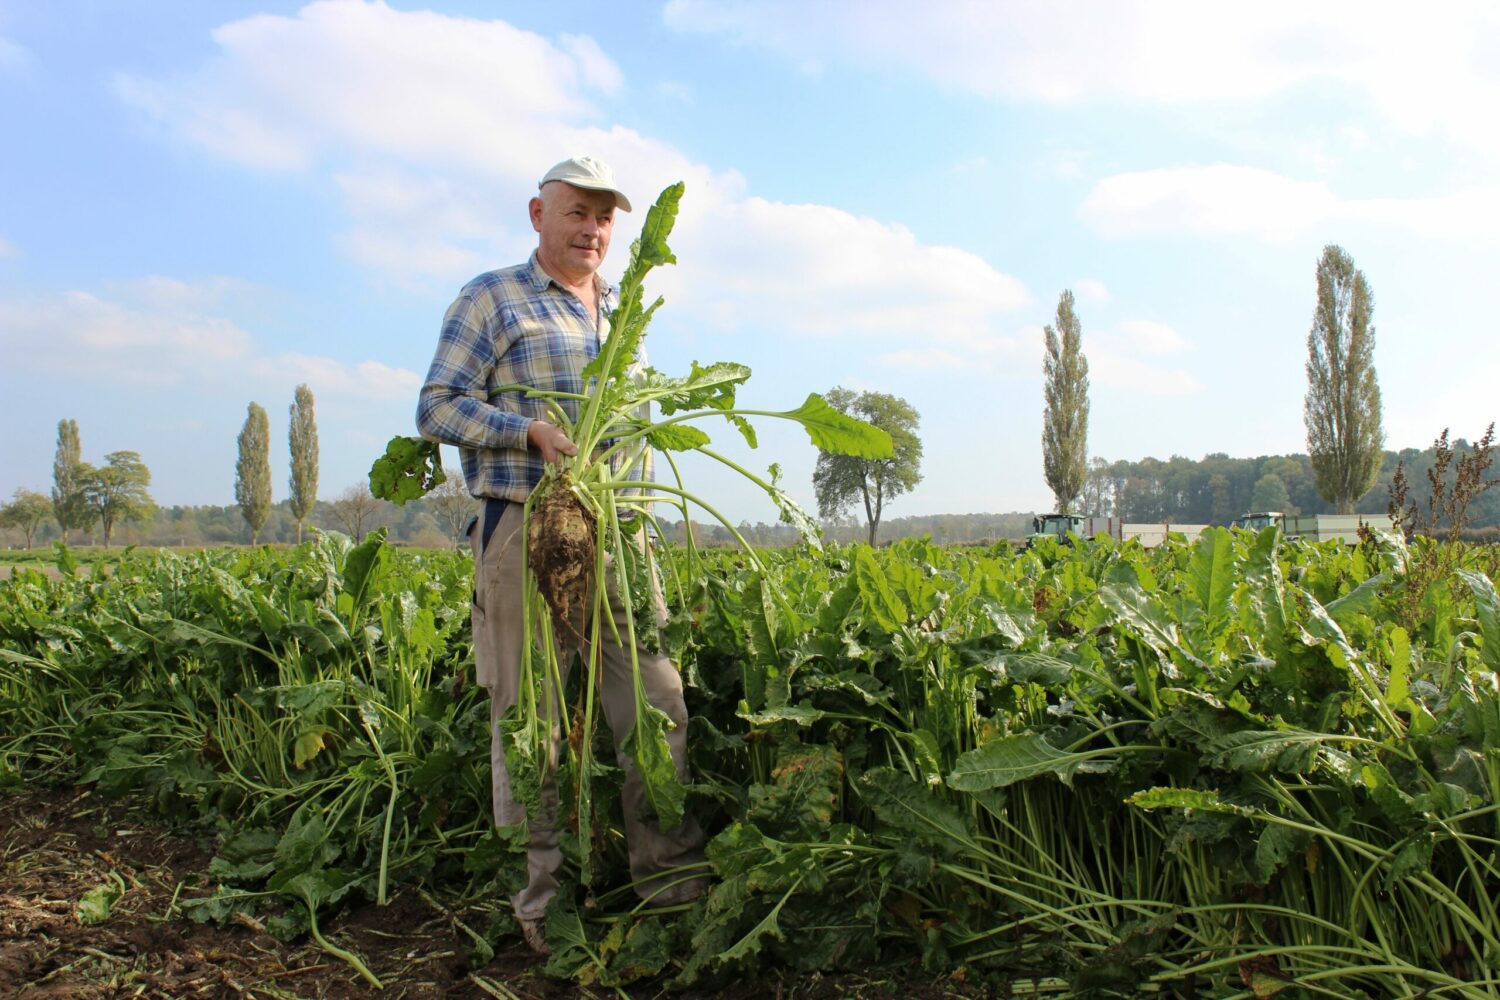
x=207 y=204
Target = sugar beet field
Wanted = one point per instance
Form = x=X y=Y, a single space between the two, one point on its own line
x=1237 y=767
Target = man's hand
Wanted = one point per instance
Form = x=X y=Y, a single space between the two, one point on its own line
x=550 y=441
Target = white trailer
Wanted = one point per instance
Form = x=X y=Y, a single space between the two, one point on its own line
x=1318 y=527
x=1150 y=533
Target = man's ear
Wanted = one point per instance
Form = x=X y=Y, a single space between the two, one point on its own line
x=535 y=208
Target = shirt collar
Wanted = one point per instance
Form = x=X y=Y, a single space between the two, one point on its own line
x=540 y=279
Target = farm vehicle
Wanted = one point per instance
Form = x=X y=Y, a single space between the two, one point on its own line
x=1317 y=527
x=1063 y=526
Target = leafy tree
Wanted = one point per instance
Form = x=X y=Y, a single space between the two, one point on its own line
x=252 y=473
x=26 y=512
x=356 y=510
x=303 y=438
x=1270 y=494
x=1342 y=407
x=1065 y=421
x=68 y=504
x=452 y=504
x=1098 y=488
x=841 y=480
x=116 y=491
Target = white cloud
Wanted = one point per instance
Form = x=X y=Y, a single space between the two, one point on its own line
x=1091 y=290
x=1107 y=367
x=1445 y=80
x=80 y=333
x=820 y=270
x=435 y=128
x=1214 y=199
x=365 y=380
x=1128 y=356
x=8 y=249
x=1150 y=337
x=417 y=86
x=163 y=333
x=1248 y=201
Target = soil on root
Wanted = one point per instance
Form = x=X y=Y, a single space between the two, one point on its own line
x=57 y=845
x=560 y=550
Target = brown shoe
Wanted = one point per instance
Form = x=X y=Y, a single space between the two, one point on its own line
x=535 y=933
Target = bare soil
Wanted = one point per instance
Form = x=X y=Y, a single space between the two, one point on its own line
x=57 y=845
x=46 y=569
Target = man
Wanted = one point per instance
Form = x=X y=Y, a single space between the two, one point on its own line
x=537 y=324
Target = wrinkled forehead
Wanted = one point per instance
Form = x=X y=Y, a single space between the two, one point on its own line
x=562 y=196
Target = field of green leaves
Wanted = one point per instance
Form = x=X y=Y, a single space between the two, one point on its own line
x=1241 y=767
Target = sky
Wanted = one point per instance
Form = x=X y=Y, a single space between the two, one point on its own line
x=205 y=204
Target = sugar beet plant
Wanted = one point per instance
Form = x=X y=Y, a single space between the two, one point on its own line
x=1215 y=770
x=583 y=540
x=1224 y=769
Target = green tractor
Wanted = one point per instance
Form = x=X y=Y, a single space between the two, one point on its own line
x=1258 y=521
x=1059 y=526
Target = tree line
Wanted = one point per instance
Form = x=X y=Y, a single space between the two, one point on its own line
x=1346 y=465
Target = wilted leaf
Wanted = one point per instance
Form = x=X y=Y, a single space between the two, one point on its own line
x=94 y=906
x=647 y=746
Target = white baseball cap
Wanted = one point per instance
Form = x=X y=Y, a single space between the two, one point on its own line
x=587 y=172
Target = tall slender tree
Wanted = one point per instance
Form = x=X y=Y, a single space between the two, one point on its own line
x=303 y=438
x=252 y=473
x=68 y=504
x=1065 y=420
x=1342 y=407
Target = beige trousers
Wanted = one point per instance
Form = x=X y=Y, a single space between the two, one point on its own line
x=498 y=638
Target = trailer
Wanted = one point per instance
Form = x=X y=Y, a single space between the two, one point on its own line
x=1148 y=533
x=1318 y=527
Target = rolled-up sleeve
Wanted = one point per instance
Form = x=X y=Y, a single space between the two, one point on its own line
x=453 y=405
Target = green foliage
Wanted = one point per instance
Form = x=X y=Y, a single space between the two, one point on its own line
x=302 y=440
x=1065 y=418
x=1342 y=406
x=1089 y=763
x=69 y=505
x=26 y=512
x=410 y=468
x=252 y=470
x=116 y=491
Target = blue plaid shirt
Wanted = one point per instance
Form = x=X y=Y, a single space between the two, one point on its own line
x=512 y=326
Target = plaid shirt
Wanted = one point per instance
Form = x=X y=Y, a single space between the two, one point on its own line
x=512 y=326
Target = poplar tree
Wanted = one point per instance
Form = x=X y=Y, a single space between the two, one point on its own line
x=303 y=437
x=1065 y=421
x=252 y=473
x=1342 y=407
x=68 y=504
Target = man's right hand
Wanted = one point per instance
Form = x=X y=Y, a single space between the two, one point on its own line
x=550 y=441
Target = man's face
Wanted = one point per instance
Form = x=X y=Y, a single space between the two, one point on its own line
x=574 y=225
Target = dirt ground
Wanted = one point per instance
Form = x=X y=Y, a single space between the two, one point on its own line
x=48 y=569
x=57 y=845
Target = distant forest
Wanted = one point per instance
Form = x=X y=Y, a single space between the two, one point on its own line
x=1211 y=490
